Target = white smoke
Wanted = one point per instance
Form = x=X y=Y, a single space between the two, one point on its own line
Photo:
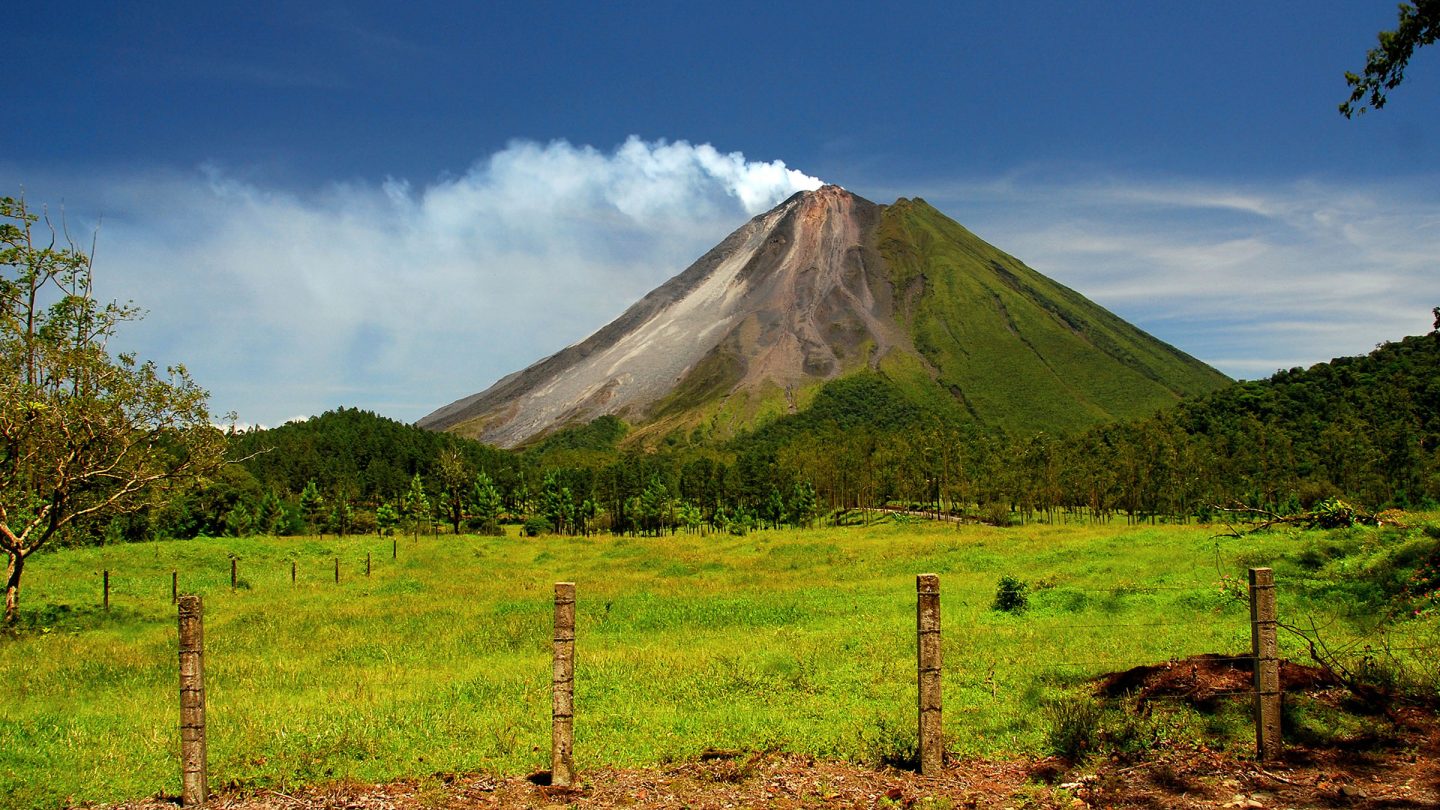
x=401 y=298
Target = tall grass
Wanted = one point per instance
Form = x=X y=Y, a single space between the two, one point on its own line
x=439 y=661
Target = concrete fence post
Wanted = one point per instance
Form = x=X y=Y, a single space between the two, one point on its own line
x=174 y=587
x=1267 y=664
x=367 y=563
x=337 y=570
x=927 y=626
x=562 y=738
x=105 y=599
x=194 y=789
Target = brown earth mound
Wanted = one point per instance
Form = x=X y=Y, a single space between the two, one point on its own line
x=1202 y=680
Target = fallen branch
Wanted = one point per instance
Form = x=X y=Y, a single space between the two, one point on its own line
x=1331 y=513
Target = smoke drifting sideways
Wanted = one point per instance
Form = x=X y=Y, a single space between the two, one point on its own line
x=399 y=298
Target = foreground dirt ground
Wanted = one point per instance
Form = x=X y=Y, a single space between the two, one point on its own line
x=1394 y=765
x=1406 y=776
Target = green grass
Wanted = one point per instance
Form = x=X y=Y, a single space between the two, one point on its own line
x=802 y=641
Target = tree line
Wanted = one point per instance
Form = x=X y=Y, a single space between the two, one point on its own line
x=1364 y=429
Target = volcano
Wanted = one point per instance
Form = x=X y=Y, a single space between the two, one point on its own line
x=825 y=285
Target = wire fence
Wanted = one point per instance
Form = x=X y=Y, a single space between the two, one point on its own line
x=975 y=640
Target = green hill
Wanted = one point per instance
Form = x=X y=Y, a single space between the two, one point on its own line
x=1017 y=350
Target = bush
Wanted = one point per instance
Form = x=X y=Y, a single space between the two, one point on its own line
x=1010 y=595
x=996 y=514
x=489 y=528
x=1072 y=726
x=1333 y=513
x=362 y=521
x=536 y=526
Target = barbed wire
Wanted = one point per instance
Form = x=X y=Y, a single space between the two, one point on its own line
x=1049 y=626
x=1131 y=662
x=1196 y=695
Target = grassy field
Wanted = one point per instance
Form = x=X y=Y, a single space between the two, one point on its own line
x=439 y=661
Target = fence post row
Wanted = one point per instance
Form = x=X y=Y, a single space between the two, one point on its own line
x=927 y=627
x=1267 y=664
x=562 y=685
x=1264 y=648
x=193 y=778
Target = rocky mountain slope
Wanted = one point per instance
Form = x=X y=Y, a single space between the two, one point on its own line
x=824 y=285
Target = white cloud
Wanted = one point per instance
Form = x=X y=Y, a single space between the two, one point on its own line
x=1248 y=278
x=400 y=298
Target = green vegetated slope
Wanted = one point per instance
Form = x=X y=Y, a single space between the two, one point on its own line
x=1366 y=427
x=798 y=640
x=352 y=450
x=1019 y=351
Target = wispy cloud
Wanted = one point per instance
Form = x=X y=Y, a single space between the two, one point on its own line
x=402 y=298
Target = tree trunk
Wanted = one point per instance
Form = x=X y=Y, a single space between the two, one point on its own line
x=12 y=588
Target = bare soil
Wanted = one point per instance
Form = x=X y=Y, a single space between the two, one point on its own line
x=1397 y=765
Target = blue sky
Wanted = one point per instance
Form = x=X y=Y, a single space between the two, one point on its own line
x=392 y=205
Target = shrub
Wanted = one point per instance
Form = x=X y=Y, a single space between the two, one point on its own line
x=996 y=514
x=489 y=528
x=362 y=521
x=1072 y=726
x=536 y=525
x=1010 y=595
x=1333 y=513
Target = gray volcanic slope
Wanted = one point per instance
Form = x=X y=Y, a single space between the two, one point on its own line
x=793 y=294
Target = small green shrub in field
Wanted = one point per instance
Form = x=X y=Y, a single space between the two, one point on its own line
x=536 y=526
x=1072 y=726
x=1010 y=595
x=1081 y=726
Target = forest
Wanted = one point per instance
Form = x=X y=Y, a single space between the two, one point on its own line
x=1360 y=430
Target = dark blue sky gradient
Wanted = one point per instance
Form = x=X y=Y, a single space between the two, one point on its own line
x=304 y=94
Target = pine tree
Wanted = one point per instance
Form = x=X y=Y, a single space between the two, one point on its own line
x=415 y=506
x=802 y=504
x=312 y=508
x=386 y=519
x=238 y=522
x=485 y=504
x=270 y=518
x=557 y=504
